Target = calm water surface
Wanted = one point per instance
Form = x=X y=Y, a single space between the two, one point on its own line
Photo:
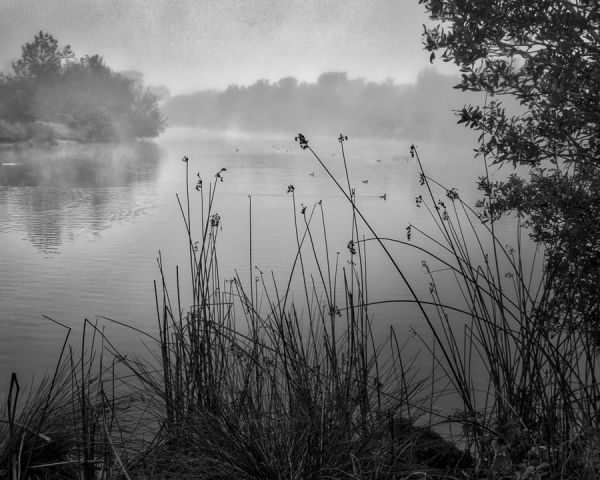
x=81 y=227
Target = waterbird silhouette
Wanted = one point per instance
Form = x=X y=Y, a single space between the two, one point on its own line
x=365 y=181
x=312 y=174
x=384 y=196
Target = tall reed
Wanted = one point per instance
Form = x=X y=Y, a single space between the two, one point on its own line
x=255 y=389
x=536 y=412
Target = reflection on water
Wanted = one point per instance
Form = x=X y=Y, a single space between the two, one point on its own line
x=52 y=193
x=70 y=165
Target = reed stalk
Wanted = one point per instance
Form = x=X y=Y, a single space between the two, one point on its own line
x=253 y=381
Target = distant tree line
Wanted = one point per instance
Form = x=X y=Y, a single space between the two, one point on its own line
x=334 y=103
x=48 y=84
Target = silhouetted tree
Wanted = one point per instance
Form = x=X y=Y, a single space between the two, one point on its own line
x=41 y=59
x=546 y=55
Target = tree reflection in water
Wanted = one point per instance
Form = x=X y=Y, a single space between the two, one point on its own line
x=52 y=193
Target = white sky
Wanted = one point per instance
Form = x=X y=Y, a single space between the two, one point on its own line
x=189 y=45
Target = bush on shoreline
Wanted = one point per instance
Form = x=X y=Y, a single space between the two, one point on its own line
x=37 y=132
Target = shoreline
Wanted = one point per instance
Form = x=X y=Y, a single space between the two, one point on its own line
x=39 y=133
x=36 y=133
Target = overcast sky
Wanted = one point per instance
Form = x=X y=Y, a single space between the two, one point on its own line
x=189 y=45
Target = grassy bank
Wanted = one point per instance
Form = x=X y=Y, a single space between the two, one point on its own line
x=254 y=380
x=36 y=133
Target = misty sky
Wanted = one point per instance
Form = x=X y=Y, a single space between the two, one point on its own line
x=189 y=45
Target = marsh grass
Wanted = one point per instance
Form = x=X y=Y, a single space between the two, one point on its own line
x=538 y=416
x=73 y=424
x=255 y=389
x=536 y=412
x=258 y=380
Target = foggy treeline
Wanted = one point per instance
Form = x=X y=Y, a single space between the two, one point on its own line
x=332 y=105
x=52 y=94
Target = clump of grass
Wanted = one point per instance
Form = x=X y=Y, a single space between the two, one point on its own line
x=255 y=389
x=540 y=414
x=535 y=414
x=33 y=432
x=71 y=425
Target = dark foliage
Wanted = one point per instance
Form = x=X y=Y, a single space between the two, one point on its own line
x=546 y=55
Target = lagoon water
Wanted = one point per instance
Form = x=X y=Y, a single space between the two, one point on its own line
x=81 y=228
